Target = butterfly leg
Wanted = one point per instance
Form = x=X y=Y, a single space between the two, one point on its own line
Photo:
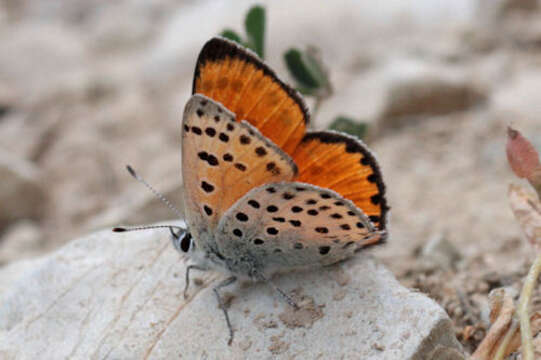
x=221 y=304
x=190 y=267
x=284 y=296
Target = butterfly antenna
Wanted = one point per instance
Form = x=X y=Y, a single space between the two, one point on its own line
x=137 y=228
x=154 y=191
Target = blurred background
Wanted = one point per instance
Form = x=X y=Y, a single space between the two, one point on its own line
x=89 y=86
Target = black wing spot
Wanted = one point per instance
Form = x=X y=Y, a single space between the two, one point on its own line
x=323 y=250
x=253 y=204
x=325 y=196
x=241 y=217
x=271 y=190
x=279 y=219
x=374 y=218
x=200 y=112
x=210 y=131
x=272 y=208
x=272 y=231
x=375 y=199
x=207 y=187
x=223 y=137
x=228 y=157
x=237 y=232
x=260 y=151
x=258 y=242
x=311 y=202
x=203 y=155
x=336 y=216
x=196 y=130
x=271 y=166
x=296 y=209
x=312 y=212
x=245 y=140
x=322 y=230
x=345 y=227
x=295 y=223
x=208 y=210
x=240 y=166
x=212 y=160
x=288 y=196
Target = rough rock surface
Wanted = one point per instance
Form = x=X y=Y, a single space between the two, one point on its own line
x=119 y=296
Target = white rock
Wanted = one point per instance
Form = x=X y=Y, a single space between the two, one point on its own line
x=21 y=194
x=119 y=296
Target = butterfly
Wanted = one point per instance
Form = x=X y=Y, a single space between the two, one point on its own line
x=262 y=194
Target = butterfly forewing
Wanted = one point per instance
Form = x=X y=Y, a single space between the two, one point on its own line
x=240 y=81
x=344 y=164
x=292 y=224
x=222 y=160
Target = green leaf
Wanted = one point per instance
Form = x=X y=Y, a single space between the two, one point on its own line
x=255 y=29
x=306 y=91
x=299 y=70
x=231 y=35
x=315 y=66
x=349 y=126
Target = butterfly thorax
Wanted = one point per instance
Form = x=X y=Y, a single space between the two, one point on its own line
x=207 y=253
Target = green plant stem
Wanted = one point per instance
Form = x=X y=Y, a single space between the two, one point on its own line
x=505 y=342
x=523 y=309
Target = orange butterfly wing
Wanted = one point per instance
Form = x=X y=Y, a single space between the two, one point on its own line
x=240 y=81
x=344 y=164
x=246 y=86
x=222 y=160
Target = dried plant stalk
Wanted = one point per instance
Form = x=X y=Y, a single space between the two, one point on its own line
x=523 y=309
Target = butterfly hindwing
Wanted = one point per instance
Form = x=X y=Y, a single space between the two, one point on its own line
x=344 y=164
x=238 y=79
x=292 y=224
x=222 y=160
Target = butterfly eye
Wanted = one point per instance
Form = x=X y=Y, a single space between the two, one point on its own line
x=185 y=242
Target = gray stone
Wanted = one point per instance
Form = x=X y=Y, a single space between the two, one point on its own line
x=119 y=296
x=427 y=94
x=22 y=195
x=21 y=240
x=494 y=10
x=440 y=253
